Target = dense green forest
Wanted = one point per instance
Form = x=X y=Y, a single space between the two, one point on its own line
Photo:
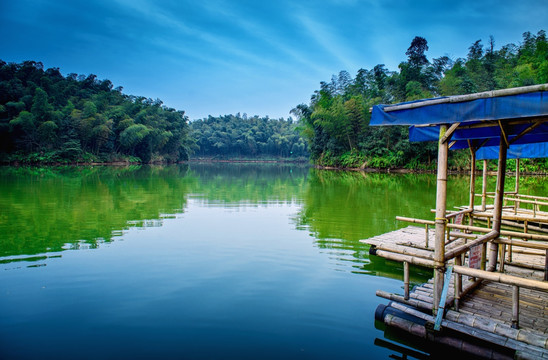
x=248 y=137
x=335 y=122
x=46 y=117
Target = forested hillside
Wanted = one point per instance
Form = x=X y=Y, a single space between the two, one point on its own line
x=46 y=117
x=248 y=137
x=336 y=120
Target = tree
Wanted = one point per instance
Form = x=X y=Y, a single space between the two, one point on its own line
x=41 y=109
x=416 y=52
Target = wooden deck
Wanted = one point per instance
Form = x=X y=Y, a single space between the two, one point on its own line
x=486 y=311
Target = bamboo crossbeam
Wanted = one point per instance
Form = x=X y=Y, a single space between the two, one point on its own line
x=502 y=278
x=502 y=232
x=519 y=225
x=521 y=243
x=476 y=229
x=405 y=258
x=524 y=235
x=455 y=214
x=415 y=221
x=400 y=299
x=542 y=203
x=532 y=197
x=463 y=235
x=464 y=248
x=404 y=250
x=526 y=266
x=513 y=217
x=469 y=97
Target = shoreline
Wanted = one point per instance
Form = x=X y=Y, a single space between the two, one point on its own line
x=267 y=161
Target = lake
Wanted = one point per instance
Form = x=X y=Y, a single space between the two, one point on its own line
x=201 y=261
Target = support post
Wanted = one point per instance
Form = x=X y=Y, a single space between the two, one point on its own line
x=517 y=175
x=484 y=187
x=515 y=307
x=406 y=280
x=458 y=284
x=499 y=199
x=472 y=178
x=441 y=207
x=426 y=236
x=546 y=266
x=516 y=203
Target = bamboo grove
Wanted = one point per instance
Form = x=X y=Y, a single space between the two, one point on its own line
x=335 y=122
x=46 y=117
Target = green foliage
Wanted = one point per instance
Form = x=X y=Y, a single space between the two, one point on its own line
x=242 y=136
x=45 y=118
x=335 y=123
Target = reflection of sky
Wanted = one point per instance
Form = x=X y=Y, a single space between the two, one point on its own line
x=215 y=57
x=245 y=280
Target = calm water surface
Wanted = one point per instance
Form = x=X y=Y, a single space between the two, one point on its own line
x=199 y=261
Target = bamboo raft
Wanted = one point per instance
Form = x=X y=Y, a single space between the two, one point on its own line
x=486 y=312
x=490 y=284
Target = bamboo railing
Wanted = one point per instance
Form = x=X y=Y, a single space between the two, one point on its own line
x=425 y=258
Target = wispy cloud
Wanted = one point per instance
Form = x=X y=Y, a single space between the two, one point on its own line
x=326 y=37
x=268 y=34
x=211 y=41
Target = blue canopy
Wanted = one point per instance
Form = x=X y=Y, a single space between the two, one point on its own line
x=449 y=111
x=521 y=114
x=525 y=151
x=485 y=136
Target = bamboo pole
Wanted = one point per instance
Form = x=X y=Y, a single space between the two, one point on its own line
x=461 y=235
x=406 y=280
x=494 y=327
x=490 y=330
x=415 y=221
x=512 y=217
x=403 y=250
x=472 y=178
x=484 y=187
x=533 y=197
x=502 y=278
x=536 y=202
x=458 y=284
x=426 y=236
x=477 y=229
x=520 y=243
x=526 y=266
x=469 y=97
x=515 y=307
x=464 y=248
x=398 y=298
x=517 y=175
x=497 y=211
x=401 y=258
x=546 y=266
x=456 y=213
x=441 y=206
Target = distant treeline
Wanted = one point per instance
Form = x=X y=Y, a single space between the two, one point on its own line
x=46 y=117
x=335 y=122
x=249 y=137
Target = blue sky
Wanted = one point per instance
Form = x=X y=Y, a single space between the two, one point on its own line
x=216 y=57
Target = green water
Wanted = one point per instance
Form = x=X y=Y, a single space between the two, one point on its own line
x=200 y=261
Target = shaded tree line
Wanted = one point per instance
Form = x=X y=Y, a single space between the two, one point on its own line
x=243 y=136
x=48 y=117
x=336 y=121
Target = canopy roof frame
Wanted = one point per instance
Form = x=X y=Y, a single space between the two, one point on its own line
x=469 y=121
